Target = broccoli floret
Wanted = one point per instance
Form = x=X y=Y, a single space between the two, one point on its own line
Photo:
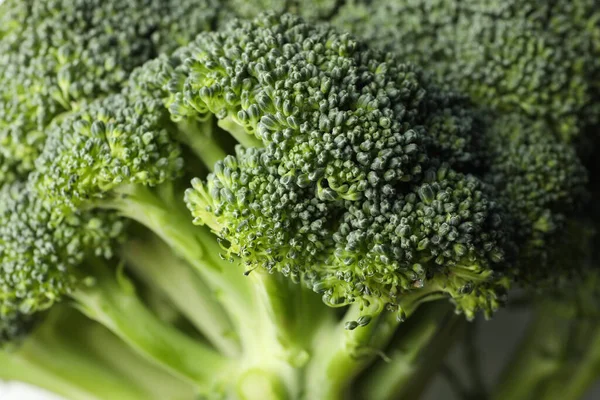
x=341 y=191
x=39 y=263
x=55 y=55
x=44 y=262
x=111 y=143
x=538 y=58
x=543 y=183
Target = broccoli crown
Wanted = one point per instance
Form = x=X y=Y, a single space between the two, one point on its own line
x=538 y=58
x=38 y=257
x=542 y=181
x=56 y=54
x=119 y=140
x=344 y=192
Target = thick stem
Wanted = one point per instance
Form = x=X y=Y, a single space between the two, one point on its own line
x=114 y=304
x=112 y=352
x=199 y=247
x=584 y=375
x=342 y=354
x=415 y=355
x=53 y=359
x=199 y=136
x=154 y=263
x=345 y=353
x=239 y=133
x=278 y=298
x=580 y=369
x=240 y=295
x=537 y=358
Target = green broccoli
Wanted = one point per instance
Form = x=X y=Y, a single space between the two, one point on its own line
x=535 y=58
x=343 y=191
x=56 y=55
x=44 y=262
x=59 y=356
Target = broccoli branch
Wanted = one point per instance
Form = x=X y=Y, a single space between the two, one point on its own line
x=154 y=263
x=114 y=304
x=69 y=356
x=414 y=356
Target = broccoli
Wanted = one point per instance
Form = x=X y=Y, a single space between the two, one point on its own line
x=341 y=194
x=352 y=204
x=543 y=182
x=535 y=58
x=56 y=55
x=44 y=262
x=105 y=367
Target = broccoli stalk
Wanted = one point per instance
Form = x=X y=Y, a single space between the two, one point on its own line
x=558 y=355
x=114 y=304
x=349 y=347
x=196 y=245
x=579 y=378
x=418 y=350
x=154 y=263
x=74 y=357
x=538 y=357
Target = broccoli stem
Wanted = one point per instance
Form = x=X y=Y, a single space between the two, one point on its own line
x=172 y=223
x=259 y=328
x=154 y=263
x=199 y=136
x=278 y=299
x=538 y=356
x=342 y=354
x=345 y=353
x=54 y=359
x=114 y=304
x=415 y=354
x=576 y=383
x=116 y=355
x=240 y=134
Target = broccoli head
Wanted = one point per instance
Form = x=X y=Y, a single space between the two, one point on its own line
x=536 y=58
x=108 y=144
x=543 y=183
x=339 y=185
x=55 y=55
x=39 y=258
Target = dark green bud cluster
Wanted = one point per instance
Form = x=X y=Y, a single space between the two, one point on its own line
x=13 y=328
x=38 y=257
x=56 y=54
x=542 y=180
x=538 y=58
x=455 y=129
x=310 y=9
x=343 y=195
x=111 y=142
x=312 y=94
